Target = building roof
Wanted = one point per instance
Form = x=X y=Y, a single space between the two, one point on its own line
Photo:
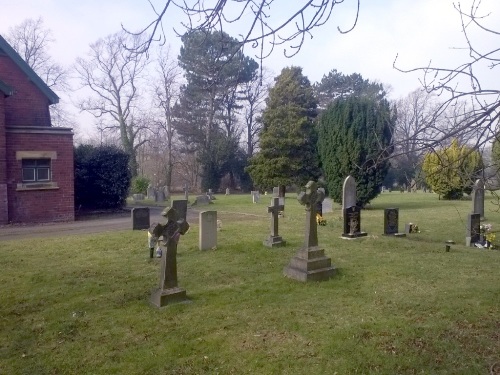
x=6 y=49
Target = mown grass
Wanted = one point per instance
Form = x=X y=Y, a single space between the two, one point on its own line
x=79 y=304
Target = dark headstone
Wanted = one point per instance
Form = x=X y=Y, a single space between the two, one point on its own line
x=391 y=222
x=140 y=218
x=310 y=262
x=274 y=239
x=180 y=205
x=352 y=223
x=472 y=234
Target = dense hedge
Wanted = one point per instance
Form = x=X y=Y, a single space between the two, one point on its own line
x=102 y=177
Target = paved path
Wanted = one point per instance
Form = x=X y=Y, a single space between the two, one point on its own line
x=98 y=225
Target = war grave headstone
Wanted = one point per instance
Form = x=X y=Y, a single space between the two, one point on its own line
x=352 y=223
x=274 y=239
x=255 y=196
x=180 y=205
x=208 y=230
x=391 y=222
x=140 y=218
x=478 y=198
x=168 y=290
x=310 y=262
x=473 y=231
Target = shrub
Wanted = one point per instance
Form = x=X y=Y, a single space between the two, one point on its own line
x=139 y=185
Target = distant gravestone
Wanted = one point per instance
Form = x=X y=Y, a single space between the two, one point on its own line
x=210 y=194
x=255 y=196
x=140 y=218
x=151 y=194
x=349 y=193
x=168 y=290
x=327 y=205
x=180 y=205
x=202 y=200
x=472 y=234
x=391 y=222
x=310 y=262
x=208 y=230
x=138 y=197
x=274 y=239
x=478 y=198
x=228 y=192
x=352 y=223
x=186 y=192
x=276 y=191
x=160 y=195
x=319 y=205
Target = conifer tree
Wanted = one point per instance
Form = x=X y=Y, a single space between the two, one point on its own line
x=288 y=139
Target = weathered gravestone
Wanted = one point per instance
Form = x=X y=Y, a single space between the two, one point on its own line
x=186 y=192
x=310 y=262
x=276 y=191
x=210 y=194
x=151 y=193
x=352 y=223
x=140 y=218
x=391 y=222
x=349 y=196
x=168 y=290
x=208 y=230
x=473 y=231
x=202 y=200
x=274 y=240
x=160 y=195
x=180 y=205
x=138 y=197
x=255 y=196
x=327 y=205
x=478 y=198
x=228 y=192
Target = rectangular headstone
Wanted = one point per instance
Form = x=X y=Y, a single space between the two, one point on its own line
x=349 y=193
x=140 y=218
x=202 y=200
x=478 y=198
x=472 y=234
x=208 y=230
x=151 y=193
x=352 y=223
x=180 y=205
x=276 y=191
x=255 y=196
x=391 y=221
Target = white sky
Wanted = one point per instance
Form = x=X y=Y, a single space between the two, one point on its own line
x=417 y=30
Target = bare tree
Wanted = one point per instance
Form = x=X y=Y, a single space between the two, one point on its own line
x=468 y=98
x=265 y=24
x=113 y=73
x=31 y=40
x=166 y=93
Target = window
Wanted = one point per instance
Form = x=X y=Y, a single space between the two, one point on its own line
x=36 y=170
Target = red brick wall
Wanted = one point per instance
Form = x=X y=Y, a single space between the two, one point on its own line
x=3 y=165
x=28 y=106
x=41 y=205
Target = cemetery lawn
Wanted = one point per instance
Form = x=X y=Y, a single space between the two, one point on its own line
x=80 y=304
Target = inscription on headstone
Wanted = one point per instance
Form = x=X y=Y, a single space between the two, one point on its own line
x=352 y=223
x=140 y=218
x=391 y=221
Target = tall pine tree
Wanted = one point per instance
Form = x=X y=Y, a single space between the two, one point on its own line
x=288 y=153
x=355 y=138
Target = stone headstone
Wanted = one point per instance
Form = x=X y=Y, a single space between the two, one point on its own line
x=391 y=222
x=310 y=262
x=352 y=223
x=255 y=196
x=202 y=200
x=276 y=191
x=228 y=192
x=168 y=290
x=180 y=205
x=160 y=195
x=208 y=230
x=327 y=205
x=282 y=200
x=151 y=194
x=274 y=239
x=186 y=192
x=478 y=198
x=210 y=194
x=138 y=197
x=166 y=192
x=140 y=218
x=319 y=205
x=473 y=231
x=349 y=193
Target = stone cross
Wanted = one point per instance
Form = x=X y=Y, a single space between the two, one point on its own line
x=274 y=210
x=310 y=199
x=168 y=290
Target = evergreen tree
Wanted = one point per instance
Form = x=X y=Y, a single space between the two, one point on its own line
x=355 y=138
x=451 y=171
x=288 y=138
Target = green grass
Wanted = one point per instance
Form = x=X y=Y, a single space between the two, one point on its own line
x=79 y=304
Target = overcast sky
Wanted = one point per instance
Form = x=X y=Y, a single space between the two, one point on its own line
x=417 y=30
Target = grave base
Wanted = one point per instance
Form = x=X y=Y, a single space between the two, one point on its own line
x=274 y=241
x=354 y=235
x=395 y=234
x=163 y=297
x=310 y=264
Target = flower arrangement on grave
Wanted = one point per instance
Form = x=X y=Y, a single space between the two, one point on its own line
x=320 y=220
x=414 y=228
x=488 y=234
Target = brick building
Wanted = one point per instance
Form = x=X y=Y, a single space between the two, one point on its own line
x=36 y=159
